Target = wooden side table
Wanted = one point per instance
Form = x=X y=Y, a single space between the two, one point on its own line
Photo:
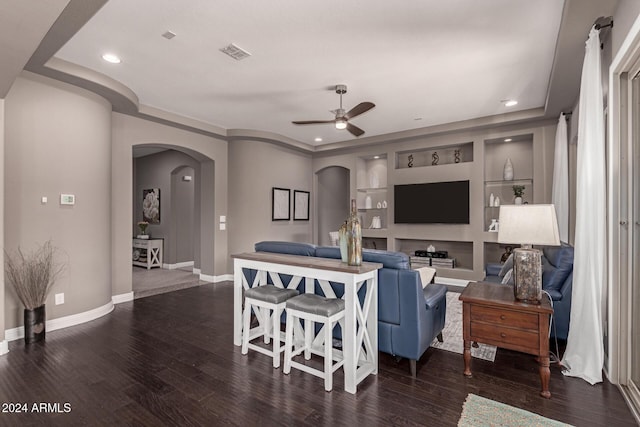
x=147 y=252
x=491 y=315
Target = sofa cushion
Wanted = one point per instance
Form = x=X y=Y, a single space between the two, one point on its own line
x=290 y=248
x=328 y=252
x=508 y=265
x=557 y=264
x=397 y=260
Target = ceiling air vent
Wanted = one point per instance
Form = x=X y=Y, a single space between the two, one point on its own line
x=235 y=52
x=168 y=35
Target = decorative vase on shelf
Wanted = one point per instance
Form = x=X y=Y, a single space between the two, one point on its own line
x=518 y=200
x=367 y=202
x=492 y=200
x=342 y=241
x=354 y=237
x=496 y=202
x=507 y=173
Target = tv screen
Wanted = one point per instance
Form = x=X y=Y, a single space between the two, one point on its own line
x=432 y=203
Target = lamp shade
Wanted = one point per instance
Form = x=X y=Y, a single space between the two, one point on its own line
x=529 y=225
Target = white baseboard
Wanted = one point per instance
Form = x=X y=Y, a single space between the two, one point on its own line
x=63 y=322
x=119 y=299
x=4 y=347
x=178 y=265
x=216 y=279
x=196 y=271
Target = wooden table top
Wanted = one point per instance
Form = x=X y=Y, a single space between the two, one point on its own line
x=309 y=262
x=500 y=295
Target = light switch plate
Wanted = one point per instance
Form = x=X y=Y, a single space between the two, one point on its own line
x=44 y=200
x=67 y=199
x=223 y=218
x=59 y=299
x=223 y=226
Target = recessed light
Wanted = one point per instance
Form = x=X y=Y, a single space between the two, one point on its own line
x=510 y=102
x=318 y=139
x=508 y=140
x=110 y=57
x=376 y=157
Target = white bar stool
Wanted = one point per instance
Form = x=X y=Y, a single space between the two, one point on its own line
x=267 y=302
x=316 y=309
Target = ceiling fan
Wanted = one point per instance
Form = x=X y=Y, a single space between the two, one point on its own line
x=342 y=119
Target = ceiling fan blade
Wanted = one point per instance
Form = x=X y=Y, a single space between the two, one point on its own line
x=312 y=122
x=363 y=107
x=355 y=130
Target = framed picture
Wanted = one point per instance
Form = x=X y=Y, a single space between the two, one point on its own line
x=151 y=205
x=280 y=210
x=300 y=205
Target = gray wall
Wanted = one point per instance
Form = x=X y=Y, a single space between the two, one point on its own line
x=177 y=201
x=625 y=15
x=58 y=140
x=212 y=155
x=2 y=193
x=254 y=168
x=332 y=201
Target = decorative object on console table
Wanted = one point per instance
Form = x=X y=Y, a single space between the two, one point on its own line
x=300 y=205
x=32 y=276
x=518 y=192
x=280 y=204
x=143 y=230
x=342 y=232
x=354 y=237
x=151 y=205
x=528 y=225
x=507 y=172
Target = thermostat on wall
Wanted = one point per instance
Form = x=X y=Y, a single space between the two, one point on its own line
x=67 y=199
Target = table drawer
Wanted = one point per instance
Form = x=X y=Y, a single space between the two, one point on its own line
x=509 y=318
x=515 y=339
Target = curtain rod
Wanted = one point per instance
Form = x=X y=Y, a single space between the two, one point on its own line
x=603 y=22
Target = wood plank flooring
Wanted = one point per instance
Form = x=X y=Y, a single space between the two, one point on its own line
x=170 y=360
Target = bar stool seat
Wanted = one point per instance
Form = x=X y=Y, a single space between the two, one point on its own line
x=313 y=308
x=267 y=302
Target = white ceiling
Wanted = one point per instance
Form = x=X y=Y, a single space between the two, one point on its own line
x=432 y=60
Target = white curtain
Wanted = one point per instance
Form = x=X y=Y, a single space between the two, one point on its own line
x=584 y=356
x=560 y=190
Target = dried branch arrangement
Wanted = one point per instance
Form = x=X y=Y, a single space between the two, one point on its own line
x=33 y=274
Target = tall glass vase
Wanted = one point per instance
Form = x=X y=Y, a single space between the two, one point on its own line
x=354 y=237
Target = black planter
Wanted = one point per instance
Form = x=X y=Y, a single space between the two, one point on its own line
x=34 y=321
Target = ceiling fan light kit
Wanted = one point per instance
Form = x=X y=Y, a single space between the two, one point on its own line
x=341 y=120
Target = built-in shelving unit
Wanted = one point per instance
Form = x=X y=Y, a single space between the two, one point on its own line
x=458 y=153
x=372 y=199
x=477 y=156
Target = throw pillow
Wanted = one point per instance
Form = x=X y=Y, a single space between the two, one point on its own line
x=508 y=278
x=508 y=265
x=426 y=275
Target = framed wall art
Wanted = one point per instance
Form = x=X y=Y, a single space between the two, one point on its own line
x=280 y=209
x=151 y=205
x=301 y=205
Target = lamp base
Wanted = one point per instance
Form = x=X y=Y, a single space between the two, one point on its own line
x=527 y=272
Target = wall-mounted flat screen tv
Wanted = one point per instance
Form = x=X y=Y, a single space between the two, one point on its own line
x=432 y=203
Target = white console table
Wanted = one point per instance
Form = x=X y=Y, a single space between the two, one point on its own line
x=147 y=252
x=360 y=331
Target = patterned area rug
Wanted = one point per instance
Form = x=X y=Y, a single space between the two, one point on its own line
x=452 y=332
x=478 y=412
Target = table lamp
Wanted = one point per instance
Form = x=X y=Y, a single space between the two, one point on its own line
x=528 y=225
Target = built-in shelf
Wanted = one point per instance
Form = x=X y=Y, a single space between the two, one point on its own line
x=372 y=190
x=435 y=156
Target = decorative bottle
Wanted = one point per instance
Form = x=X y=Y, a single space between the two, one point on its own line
x=354 y=237
x=342 y=233
x=507 y=173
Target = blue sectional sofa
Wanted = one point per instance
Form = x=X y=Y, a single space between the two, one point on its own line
x=409 y=317
x=557 y=280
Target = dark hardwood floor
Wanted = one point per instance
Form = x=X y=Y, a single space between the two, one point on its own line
x=170 y=360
